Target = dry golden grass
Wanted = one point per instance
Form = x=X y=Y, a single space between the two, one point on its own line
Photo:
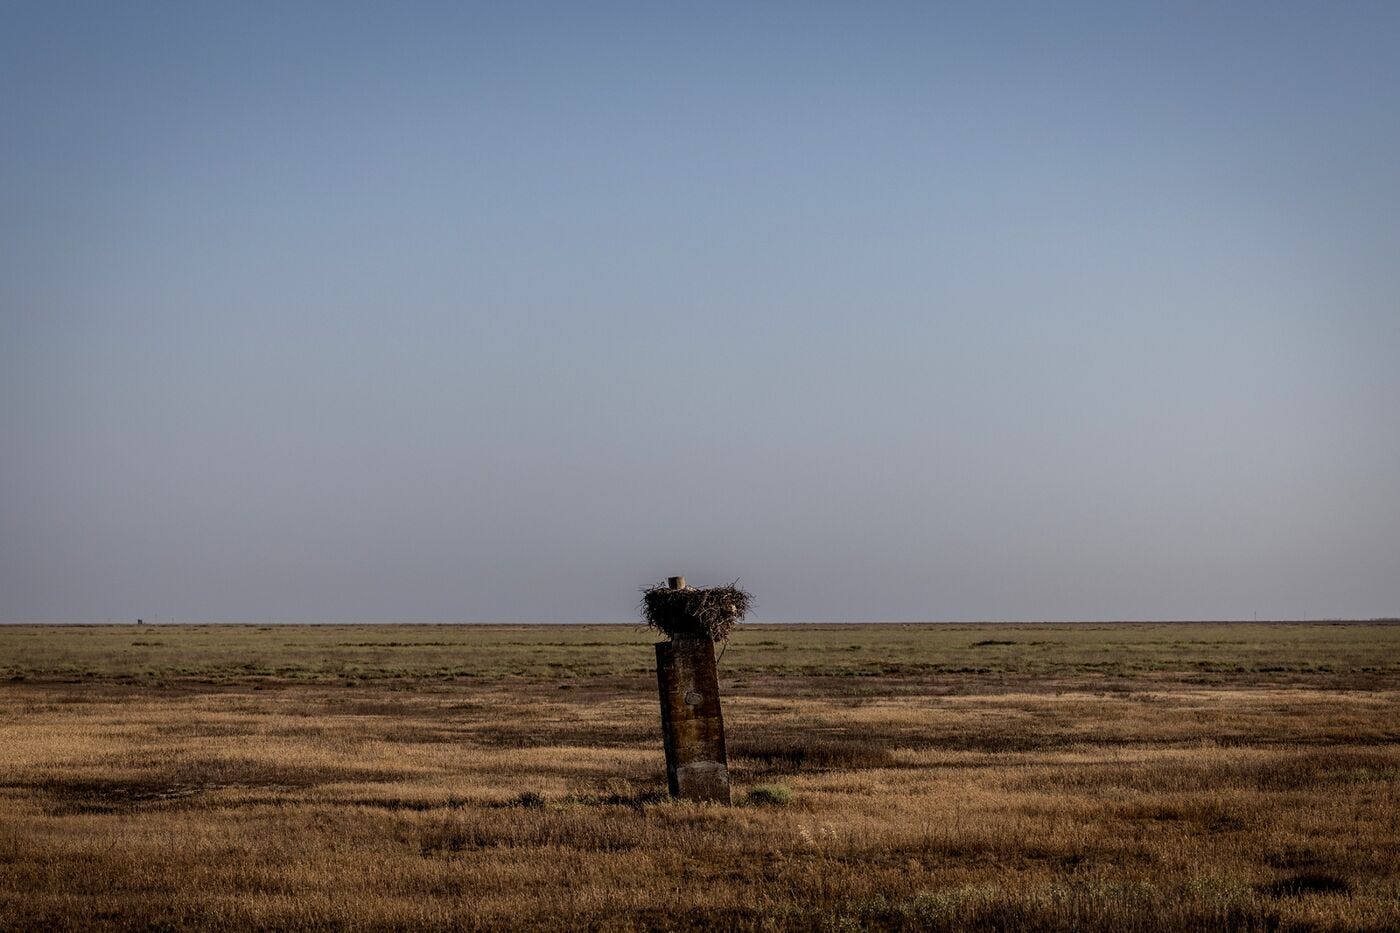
x=1096 y=777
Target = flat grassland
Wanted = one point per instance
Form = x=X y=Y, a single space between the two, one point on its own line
x=963 y=777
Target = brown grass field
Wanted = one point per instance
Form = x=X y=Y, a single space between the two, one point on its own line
x=962 y=777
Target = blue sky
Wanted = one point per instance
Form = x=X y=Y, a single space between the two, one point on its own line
x=892 y=311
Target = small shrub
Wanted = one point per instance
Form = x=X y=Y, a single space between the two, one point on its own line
x=770 y=794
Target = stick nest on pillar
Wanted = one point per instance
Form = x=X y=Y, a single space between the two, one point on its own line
x=695 y=612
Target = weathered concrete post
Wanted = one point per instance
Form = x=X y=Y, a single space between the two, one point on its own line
x=692 y=727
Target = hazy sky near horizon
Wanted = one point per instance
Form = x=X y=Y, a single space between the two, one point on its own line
x=440 y=312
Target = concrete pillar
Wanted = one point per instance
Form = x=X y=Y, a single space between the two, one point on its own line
x=691 y=725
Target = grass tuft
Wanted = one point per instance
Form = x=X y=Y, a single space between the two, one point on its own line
x=528 y=799
x=776 y=795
